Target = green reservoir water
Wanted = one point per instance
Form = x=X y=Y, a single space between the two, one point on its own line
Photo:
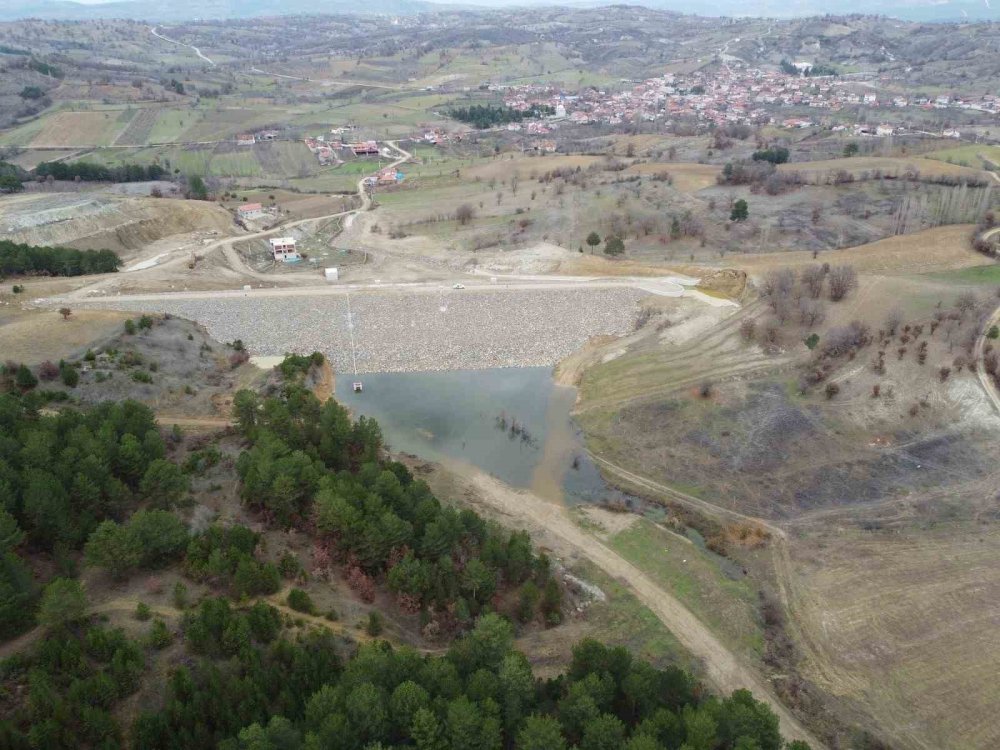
x=513 y=423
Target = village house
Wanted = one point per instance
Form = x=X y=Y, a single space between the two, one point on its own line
x=250 y=211
x=283 y=249
x=365 y=148
x=245 y=139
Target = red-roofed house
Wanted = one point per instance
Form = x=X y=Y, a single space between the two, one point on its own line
x=250 y=211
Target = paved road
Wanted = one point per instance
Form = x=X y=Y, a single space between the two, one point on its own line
x=206 y=58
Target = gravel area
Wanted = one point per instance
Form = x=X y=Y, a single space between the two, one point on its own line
x=409 y=332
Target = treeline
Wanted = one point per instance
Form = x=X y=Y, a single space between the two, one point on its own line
x=246 y=684
x=310 y=466
x=11 y=177
x=774 y=155
x=253 y=688
x=760 y=173
x=89 y=172
x=817 y=69
x=484 y=116
x=61 y=475
x=71 y=684
x=18 y=259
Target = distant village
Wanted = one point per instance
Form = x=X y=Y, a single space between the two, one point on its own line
x=736 y=93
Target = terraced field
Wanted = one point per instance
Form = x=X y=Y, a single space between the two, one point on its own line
x=285 y=159
x=71 y=129
x=139 y=130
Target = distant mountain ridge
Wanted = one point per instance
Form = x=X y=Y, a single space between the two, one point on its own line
x=184 y=10
x=187 y=10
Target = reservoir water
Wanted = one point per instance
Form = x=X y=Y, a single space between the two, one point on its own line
x=513 y=423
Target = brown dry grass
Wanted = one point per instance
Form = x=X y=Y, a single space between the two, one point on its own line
x=904 y=625
x=687 y=177
x=888 y=165
x=597 y=265
x=938 y=249
x=523 y=165
x=37 y=335
x=78 y=129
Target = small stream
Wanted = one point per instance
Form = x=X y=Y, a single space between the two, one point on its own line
x=513 y=423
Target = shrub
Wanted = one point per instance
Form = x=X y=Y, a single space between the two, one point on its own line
x=143 y=612
x=141 y=376
x=130 y=327
x=70 y=377
x=374 y=625
x=180 y=595
x=48 y=371
x=300 y=601
x=289 y=565
x=24 y=379
x=159 y=636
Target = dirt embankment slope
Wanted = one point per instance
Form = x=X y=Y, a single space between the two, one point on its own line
x=101 y=220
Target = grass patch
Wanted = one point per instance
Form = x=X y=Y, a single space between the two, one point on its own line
x=624 y=620
x=975 y=275
x=696 y=577
x=972 y=155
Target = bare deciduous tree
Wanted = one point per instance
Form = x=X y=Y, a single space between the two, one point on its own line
x=811 y=312
x=812 y=279
x=893 y=321
x=464 y=214
x=842 y=280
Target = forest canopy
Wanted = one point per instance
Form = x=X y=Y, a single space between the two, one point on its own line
x=39 y=260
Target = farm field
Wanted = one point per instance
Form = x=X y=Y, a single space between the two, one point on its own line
x=902 y=621
x=971 y=155
x=157 y=125
x=938 y=249
x=274 y=159
x=70 y=129
x=83 y=128
x=686 y=177
x=221 y=124
x=887 y=164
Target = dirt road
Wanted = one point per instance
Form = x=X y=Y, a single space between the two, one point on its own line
x=206 y=58
x=549 y=523
x=985 y=379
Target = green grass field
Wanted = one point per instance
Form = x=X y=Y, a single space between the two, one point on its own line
x=170 y=125
x=976 y=275
x=623 y=620
x=696 y=577
x=971 y=155
x=22 y=135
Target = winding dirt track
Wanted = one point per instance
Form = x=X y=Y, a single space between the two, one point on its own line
x=551 y=522
x=985 y=380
